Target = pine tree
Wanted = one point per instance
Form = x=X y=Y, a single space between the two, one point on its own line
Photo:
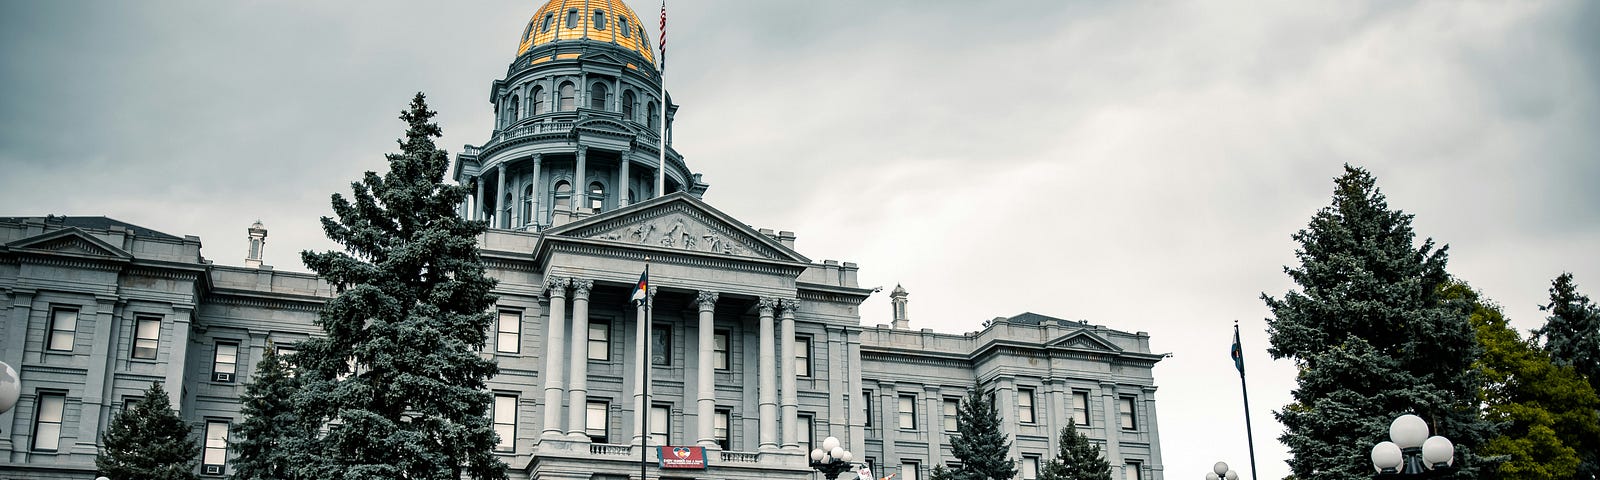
x=272 y=435
x=397 y=377
x=984 y=451
x=148 y=441
x=1372 y=338
x=1547 y=412
x=1076 y=459
x=1571 y=336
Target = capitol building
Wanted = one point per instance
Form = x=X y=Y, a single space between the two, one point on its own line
x=757 y=351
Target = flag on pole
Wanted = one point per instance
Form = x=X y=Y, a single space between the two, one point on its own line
x=639 y=291
x=663 y=42
x=1238 y=351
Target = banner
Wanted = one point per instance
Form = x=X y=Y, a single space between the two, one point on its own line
x=682 y=457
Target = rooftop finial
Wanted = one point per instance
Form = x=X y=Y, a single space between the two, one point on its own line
x=258 y=245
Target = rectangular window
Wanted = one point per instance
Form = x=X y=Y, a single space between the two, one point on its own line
x=63 y=329
x=146 y=337
x=719 y=428
x=1080 y=408
x=1025 y=405
x=225 y=362
x=951 y=406
x=216 y=453
x=129 y=401
x=661 y=345
x=599 y=340
x=719 y=346
x=508 y=332
x=1030 y=467
x=1131 y=471
x=505 y=422
x=804 y=423
x=598 y=414
x=47 y=421
x=909 y=470
x=661 y=424
x=908 y=412
x=866 y=404
x=1125 y=408
x=802 y=357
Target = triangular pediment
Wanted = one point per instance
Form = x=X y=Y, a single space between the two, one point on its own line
x=69 y=241
x=601 y=57
x=602 y=125
x=679 y=222
x=1085 y=340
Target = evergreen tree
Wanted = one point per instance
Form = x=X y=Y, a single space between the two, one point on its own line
x=1547 y=413
x=983 y=450
x=271 y=436
x=148 y=441
x=398 y=376
x=1372 y=338
x=1077 y=459
x=1571 y=336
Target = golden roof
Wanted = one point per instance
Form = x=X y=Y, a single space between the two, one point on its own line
x=608 y=21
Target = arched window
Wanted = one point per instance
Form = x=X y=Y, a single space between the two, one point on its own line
x=527 y=204
x=549 y=18
x=527 y=31
x=622 y=25
x=628 y=99
x=632 y=197
x=599 y=19
x=597 y=96
x=538 y=101
x=651 y=114
x=569 y=96
x=563 y=194
x=572 y=18
x=516 y=107
x=597 y=196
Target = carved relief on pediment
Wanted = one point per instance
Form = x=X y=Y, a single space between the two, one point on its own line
x=73 y=245
x=679 y=231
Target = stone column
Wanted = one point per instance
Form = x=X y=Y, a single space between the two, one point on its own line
x=706 y=399
x=786 y=372
x=623 y=180
x=769 y=376
x=477 y=198
x=538 y=189
x=554 y=339
x=641 y=342
x=500 y=197
x=578 y=392
x=580 y=181
x=1155 y=436
x=1108 y=401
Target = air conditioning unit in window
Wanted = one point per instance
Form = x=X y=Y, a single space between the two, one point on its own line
x=213 y=469
x=222 y=377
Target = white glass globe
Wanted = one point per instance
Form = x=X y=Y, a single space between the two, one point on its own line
x=837 y=452
x=830 y=443
x=1437 y=451
x=1221 y=468
x=1212 y=476
x=101 y=478
x=816 y=455
x=10 y=387
x=1386 y=456
x=1408 y=431
x=847 y=457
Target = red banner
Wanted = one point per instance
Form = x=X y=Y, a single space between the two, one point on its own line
x=682 y=457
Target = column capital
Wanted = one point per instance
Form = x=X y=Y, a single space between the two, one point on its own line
x=767 y=305
x=557 y=286
x=580 y=288
x=582 y=149
x=707 y=300
x=788 y=305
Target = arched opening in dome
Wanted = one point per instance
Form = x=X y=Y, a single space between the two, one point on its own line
x=527 y=204
x=597 y=196
x=527 y=31
x=563 y=195
x=622 y=25
x=628 y=101
x=549 y=18
x=597 y=96
x=572 y=18
x=516 y=108
x=569 y=97
x=599 y=20
x=537 y=98
x=651 y=114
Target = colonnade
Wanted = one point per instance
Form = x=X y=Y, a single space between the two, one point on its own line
x=566 y=370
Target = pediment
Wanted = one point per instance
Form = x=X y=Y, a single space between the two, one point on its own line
x=1085 y=340
x=69 y=241
x=605 y=125
x=604 y=58
x=679 y=222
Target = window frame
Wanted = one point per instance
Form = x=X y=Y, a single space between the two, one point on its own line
x=572 y=19
x=597 y=196
x=500 y=332
x=217 y=363
x=54 y=329
x=40 y=408
x=598 y=92
x=1132 y=470
x=1080 y=413
x=536 y=97
x=723 y=435
x=722 y=358
x=661 y=412
x=139 y=321
x=602 y=344
x=914 y=466
x=566 y=96
x=802 y=356
x=1026 y=408
x=1127 y=413
x=950 y=413
x=1030 y=461
x=903 y=415
x=604 y=426
x=806 y=437
x=206 y=447
x=507 y=443
x=664 y=331
x=866 y=404
x=598 y=20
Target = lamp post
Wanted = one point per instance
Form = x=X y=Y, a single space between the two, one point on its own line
x=1220 y=471
x=832 y=459
x=1411 y=452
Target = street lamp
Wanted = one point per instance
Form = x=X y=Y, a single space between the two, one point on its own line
x=1220 y=471
x=10 y=387
x=832 y=459
x=1411 y=452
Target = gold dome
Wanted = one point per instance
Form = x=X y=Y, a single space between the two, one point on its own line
x=608 y=21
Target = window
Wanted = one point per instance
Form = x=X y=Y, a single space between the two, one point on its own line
x=719 y=427
x=599 y=20
x=596 y=425
x=569 y=97
x=661 y=345
x=225 y=362
x=951 y=407
x=1030 y=467
x=572 y=18
x=516 y=107
x=628 y=101
x=129 y=401
x=908 y=470
x=802 y=357
x=563 y=194
x=1125 y=409
x=599 y=340
x=866 y=406
x=1025 y=406
x=597 y=196
x=719 y=350
x=1131 y=471
x=597 y=96
x=508 y=332
x=505 y=422
x=47 y=421
x=63 y=329
x=650 y=114
x=549 y=18
x=622 y=25
x=803 y=425
x=527 y=31
x=1080 y=408
x=146 y=337
x=661 y=424
x=908 y=412
x=537 y=97
x=216 y=454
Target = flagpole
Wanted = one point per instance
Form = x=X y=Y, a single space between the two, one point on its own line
x=1249 y=434
x=661 y=170
x=644 y=430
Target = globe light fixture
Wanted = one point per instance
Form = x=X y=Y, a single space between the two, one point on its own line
x=832 y=459
x=1220 y=471
x=10 y=387
x=1411 y=452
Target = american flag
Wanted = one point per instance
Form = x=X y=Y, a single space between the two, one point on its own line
x=663 y=42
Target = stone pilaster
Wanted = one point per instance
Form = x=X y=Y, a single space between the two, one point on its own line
x=1154 y=438
x=538 y=190
x=768 y=385
x=622 y=179
x=1108 y=402
x=787 y=374
x=706 y=398
x=580 y=180
x=578 y=392
x=502 y=206
x=555 y=338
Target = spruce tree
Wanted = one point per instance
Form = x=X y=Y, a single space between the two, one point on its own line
x=1372 y=337
x=1547 y=413
x=149 y=441
x=1076 y=459
x=1571 y=336
x=266 y=444
x=398 y=377
x=984 y=451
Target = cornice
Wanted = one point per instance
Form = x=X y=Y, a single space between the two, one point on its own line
x=670 y=256
x=246 y=298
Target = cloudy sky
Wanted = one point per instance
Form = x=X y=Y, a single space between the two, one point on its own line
x=1137 y=165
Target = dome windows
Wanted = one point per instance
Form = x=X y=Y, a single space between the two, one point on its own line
x=569 y=97
x=628 y=101
x=537 y=98
x=549 y=18
x=651 y=114
x=527 y=31
x=516 y=104
x=622 y=25
x=597 y=196
x=572 y=18
x=563 y=194
x=599 y=20
x=597 y=96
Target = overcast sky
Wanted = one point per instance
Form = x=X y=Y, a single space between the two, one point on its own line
x=1137 y=165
